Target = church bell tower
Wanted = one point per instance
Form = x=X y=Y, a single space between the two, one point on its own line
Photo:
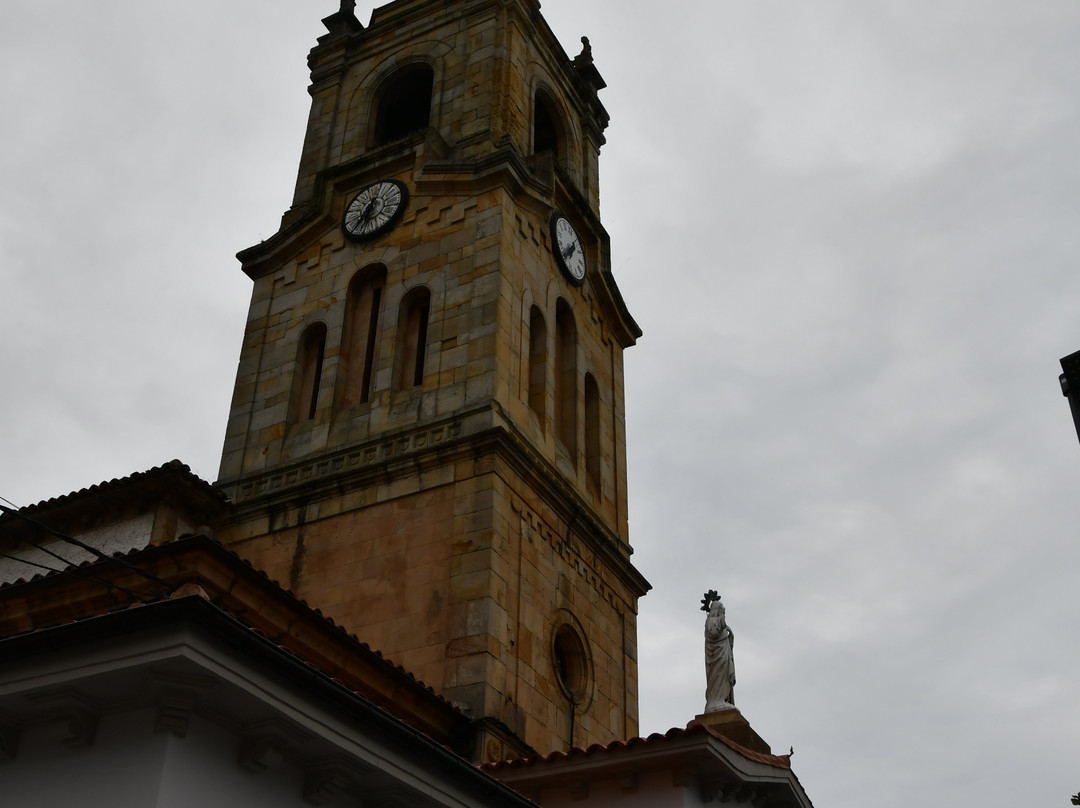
x=426 y=438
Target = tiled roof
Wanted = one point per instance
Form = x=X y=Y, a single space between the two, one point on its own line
x=191 y=608
x=128 y=556
x=779 y=761
x=655 y=740
x=359 y=647
x=173 y=469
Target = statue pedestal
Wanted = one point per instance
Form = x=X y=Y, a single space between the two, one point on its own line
x=730 y=724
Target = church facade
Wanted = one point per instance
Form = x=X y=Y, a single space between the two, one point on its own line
x=412 y=582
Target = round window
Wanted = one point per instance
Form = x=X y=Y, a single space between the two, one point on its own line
x=571 y=663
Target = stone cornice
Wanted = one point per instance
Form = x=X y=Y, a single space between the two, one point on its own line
x=541 y=188
x=380 y=459
x=469 y=435
x=310 y=222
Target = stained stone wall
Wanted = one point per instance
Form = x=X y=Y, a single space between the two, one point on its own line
x=447 y=524
x=464 y=584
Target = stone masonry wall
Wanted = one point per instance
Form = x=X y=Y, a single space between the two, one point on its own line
x=402 y=518
x=463 y=583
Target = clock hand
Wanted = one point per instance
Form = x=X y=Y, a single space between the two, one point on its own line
x=569 y=252
x=367 y=213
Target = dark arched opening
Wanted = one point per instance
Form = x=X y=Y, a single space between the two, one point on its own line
x=412 y=338
x=547 y=126
x=404 y=104
x=537 y=363
x=360 y=339
x=308 y=374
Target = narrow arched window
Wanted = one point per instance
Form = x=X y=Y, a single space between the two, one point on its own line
x=308 y=375
x=547 y=127
x=360 y=337
x=412 y=338
x=404 y=103
x=566 y=395
x=592 y=432
x=537 y=363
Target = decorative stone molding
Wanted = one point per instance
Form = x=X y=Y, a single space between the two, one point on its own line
x=324 y=778
x=174 y=711
x=263 y=744
x=356 y=458
x=257 y=754
x=322 y=785
x=584 y=563
x=78 y=712
x=177 y=697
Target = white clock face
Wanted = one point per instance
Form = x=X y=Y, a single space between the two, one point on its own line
x=568 y=250
x=374 y=209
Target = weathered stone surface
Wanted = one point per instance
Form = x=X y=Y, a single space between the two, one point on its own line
x=446 y=523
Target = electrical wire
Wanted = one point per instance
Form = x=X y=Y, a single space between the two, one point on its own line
x=75 y=572
x=30 y=563
x=12 y=511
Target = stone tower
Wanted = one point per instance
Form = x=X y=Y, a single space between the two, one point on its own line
x=426 y=438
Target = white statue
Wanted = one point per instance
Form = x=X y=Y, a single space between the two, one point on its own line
x=719 y=662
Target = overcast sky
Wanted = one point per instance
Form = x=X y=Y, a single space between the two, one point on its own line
x=849 y=230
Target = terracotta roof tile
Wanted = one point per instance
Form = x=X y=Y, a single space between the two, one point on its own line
x=655 y=739
x=123 y=555
x=779 y=761
x=173 y=467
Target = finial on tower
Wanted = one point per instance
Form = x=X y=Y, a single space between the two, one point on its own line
x=342 y=22
x=583 y=64
x=586 y=51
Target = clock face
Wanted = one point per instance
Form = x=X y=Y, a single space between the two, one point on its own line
x=375 y=209
x=569 y=253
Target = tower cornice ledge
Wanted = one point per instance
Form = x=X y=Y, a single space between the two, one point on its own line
x=472 y=435
x=304 y=224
